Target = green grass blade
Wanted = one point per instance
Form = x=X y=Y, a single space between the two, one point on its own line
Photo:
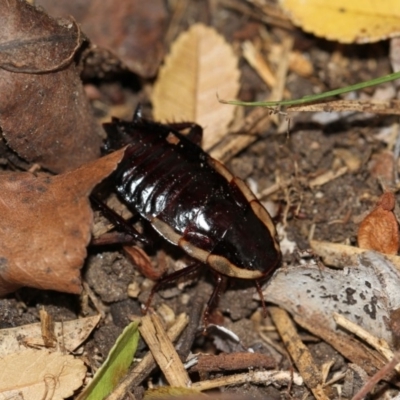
x=115 y=367
x=315 y=97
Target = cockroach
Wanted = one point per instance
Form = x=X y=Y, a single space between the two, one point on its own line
x=193 y=201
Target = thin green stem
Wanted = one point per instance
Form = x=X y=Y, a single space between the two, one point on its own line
x=316 y=97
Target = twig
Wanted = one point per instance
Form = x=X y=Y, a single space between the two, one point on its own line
x=328 y=177
x=377 y=343
x=299 y=352
x=340 y=255
x=264 y=377
x=163 y=351
x=367 y=388
x=391 y=107
x=141 y=371
x=233 y=362
x=197 y=304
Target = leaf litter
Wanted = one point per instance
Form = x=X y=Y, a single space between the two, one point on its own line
x=49 y=252
x=69 y=335
x=42 y=101
x=187 y=91
x=290 y=170
x=40 y=374
x=137 y=30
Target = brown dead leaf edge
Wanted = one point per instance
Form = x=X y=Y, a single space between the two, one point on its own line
x=45 y=226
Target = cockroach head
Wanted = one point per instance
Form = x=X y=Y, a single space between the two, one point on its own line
x=117 y=135
x=117 y=130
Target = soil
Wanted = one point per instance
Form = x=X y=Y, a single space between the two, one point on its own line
x=299 y=148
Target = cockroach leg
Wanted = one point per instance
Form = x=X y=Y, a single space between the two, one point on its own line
x=111 y=238
x=260 y=293
x=220 y=280
x=170 y=278
x=118 y=221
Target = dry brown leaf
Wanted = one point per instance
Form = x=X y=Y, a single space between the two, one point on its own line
x=45 y=116
x=379 y=230
x=40 y=374
x=132 y=30
x=45 y=226
x=199 y=65
x=69 y=335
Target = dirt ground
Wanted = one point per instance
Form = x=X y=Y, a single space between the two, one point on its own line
x=292 y=149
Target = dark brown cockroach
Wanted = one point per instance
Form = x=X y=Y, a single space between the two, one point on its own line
x=193 y=201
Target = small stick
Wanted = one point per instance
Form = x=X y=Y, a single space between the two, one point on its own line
x=163 y=350
x=144 y=368
x=387 y=369
x=299 y=352
x=263 y=377
x=340 y=255
x=378 y=344
x=196 y=305
x=233 y=362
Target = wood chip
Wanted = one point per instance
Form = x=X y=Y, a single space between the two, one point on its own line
x=163 y=351
x=299 y=352
x=146 y=365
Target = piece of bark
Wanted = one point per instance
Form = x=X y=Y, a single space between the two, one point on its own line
x=233 y=362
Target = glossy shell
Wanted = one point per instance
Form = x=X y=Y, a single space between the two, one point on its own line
x=193 y=201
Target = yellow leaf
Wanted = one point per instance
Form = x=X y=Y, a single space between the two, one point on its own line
x=199 y=66
x=39 y=374
x=354 y=21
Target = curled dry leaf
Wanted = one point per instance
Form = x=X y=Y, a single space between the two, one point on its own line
x=379 y=230
x=131 y=30
x=45 y=227
x=199 y=66
x=34 y=373
x=44 y=114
